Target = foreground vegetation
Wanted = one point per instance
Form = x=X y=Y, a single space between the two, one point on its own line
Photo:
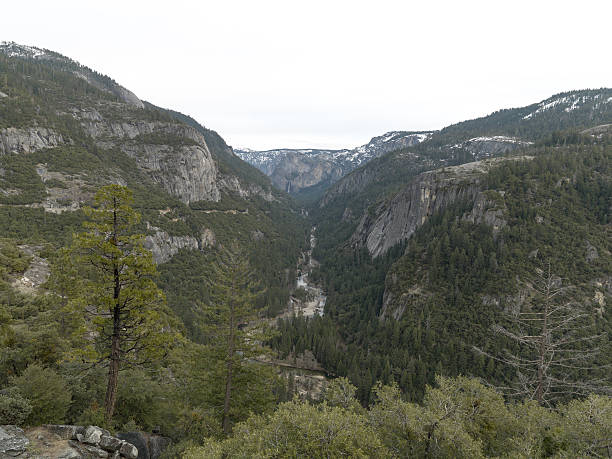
x=459 y=418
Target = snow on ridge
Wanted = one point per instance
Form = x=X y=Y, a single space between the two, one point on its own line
x=497 y=138
x=346 y=158
x=573 y=102
x=13 y=49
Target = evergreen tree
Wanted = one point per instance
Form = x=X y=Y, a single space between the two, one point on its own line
x=131 y=322
x=226 y=323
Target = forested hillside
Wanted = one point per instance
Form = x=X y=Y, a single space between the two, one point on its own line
x=466 y=245
x=66 y=134
x=143 y=266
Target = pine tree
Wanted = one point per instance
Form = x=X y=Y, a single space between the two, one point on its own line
x=227 y=322
x=130 y=320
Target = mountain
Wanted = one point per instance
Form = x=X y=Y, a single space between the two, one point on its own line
x=423 y=249
x=66 y=130
x=309 y=171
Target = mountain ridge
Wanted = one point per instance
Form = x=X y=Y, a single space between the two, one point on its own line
x=297 y=170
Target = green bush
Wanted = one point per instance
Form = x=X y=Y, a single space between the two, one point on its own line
x=48 y=393
x=14 y=409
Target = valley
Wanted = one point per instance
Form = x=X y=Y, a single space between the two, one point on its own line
x=238 y=297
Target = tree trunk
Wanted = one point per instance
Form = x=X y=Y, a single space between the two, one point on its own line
x=230 y=369
x=115 y=355
x=113 y=370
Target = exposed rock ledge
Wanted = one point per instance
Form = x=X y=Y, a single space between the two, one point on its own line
x=28 y=140
x=63 y=442
x=163 y=246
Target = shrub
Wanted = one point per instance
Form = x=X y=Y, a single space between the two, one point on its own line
x=14 y=409
x=47 y=392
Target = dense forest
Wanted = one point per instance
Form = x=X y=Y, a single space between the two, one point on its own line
x=463 y=276
x=424 y=346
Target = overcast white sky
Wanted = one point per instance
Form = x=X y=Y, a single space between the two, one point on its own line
x=311 y=73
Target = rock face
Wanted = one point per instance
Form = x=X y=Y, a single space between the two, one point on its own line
x=13 y=442
x=408 y=210
x=296 y=172
x=397 y=219
x=293 y=170
x=163 y=246
x=185 y=168
x=14 y=140
x=63 y=442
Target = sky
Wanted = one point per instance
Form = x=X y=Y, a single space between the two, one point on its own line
x=327 y=74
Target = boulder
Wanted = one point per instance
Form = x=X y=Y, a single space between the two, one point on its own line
x=92 y=435
x=128 y=450
x=13 y=442
x=88 y=451
x=110 y=443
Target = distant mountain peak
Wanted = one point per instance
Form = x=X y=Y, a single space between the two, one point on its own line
x=296 y=169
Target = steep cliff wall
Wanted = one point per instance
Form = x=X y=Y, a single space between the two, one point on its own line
x=399 y=217
x=14 y=140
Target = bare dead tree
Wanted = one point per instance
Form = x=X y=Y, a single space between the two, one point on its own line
x=558 y=349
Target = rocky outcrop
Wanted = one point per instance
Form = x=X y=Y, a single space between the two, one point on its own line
x=163 y=246
x=398 y=218
x=63 y=442
x=486 y=210
x=37 y=273
x=482 y=147
x=179 y=160
x=591 y=252
x=297 y=172
x=188 y=172
x=28 y=140
x=13 y=442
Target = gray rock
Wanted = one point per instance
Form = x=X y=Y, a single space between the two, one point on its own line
x=591 y=252
x=128 y=450
x=491 y=146
x=110 y=443
x=92 y=435
x=28 y=140
x=13 y=442
x=2 y=94
x=398 y=218
x=88 y=451
x=207 y=238
x=187 y=170
x=69 y=453
x=163 y=246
